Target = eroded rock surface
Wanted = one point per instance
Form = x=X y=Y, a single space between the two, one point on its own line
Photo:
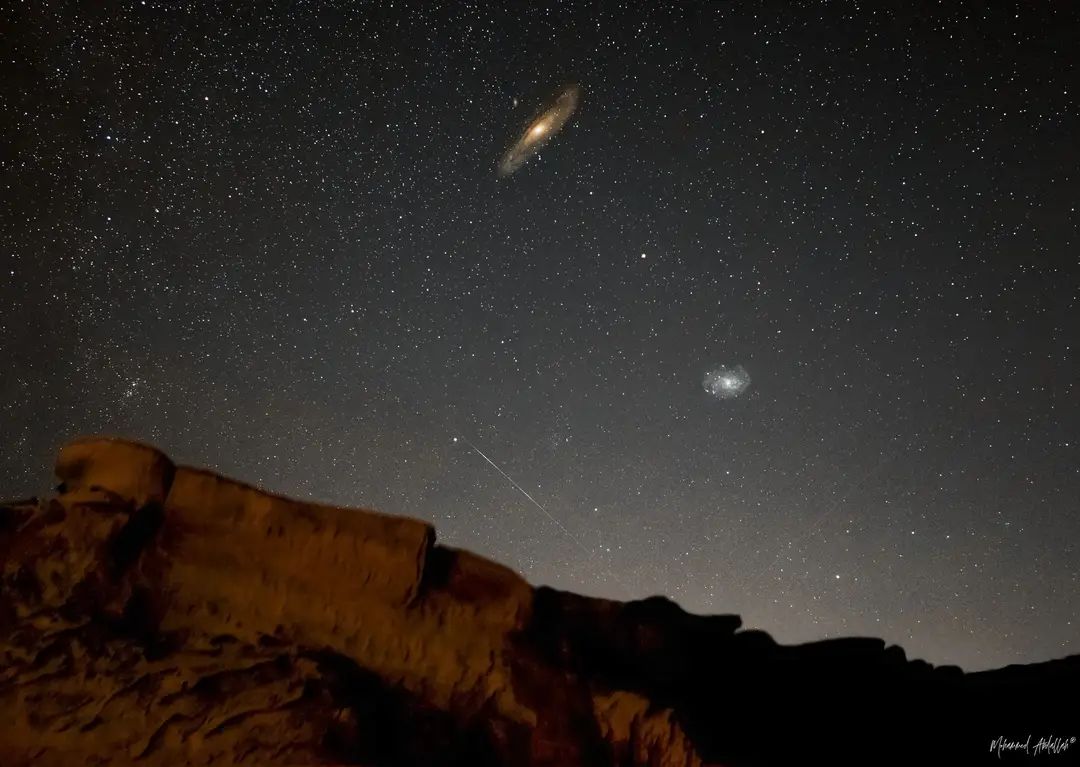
x=155 y=614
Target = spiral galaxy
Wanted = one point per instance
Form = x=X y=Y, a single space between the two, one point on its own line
x=727 y=383
x=540 y=130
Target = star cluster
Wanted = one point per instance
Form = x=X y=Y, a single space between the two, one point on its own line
x=270 y=238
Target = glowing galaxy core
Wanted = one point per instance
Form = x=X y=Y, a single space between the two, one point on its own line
x=540 y=130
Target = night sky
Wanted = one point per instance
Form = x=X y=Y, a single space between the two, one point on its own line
x=273 y=242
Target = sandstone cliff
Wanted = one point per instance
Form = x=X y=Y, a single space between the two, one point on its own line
x=159 y=615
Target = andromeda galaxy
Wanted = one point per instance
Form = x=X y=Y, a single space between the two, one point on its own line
x=540 y=130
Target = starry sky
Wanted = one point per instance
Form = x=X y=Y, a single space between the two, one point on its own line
x=271 y=240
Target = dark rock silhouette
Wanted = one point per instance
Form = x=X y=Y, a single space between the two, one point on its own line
x=154 y=614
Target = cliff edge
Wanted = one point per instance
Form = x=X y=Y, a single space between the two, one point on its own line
x=159 y=614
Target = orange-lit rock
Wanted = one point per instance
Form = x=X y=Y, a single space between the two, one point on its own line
x=161 y=615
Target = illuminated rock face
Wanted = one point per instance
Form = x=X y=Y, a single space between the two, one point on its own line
x=165 y=614
x=160 y=615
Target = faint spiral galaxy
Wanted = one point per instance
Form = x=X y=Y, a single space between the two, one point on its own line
x=540 y=130
x=727 y=383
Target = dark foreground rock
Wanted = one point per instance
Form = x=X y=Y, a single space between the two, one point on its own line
x=160 y=615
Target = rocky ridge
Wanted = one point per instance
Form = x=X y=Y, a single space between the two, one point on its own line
x=159 y=614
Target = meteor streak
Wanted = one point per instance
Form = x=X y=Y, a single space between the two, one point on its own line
x=523 y=492
x=547 y=513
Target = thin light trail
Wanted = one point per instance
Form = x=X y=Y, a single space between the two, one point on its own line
x=547 y=513
x=523 y=492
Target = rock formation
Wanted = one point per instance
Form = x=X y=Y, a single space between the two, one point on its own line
x=158 y=614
